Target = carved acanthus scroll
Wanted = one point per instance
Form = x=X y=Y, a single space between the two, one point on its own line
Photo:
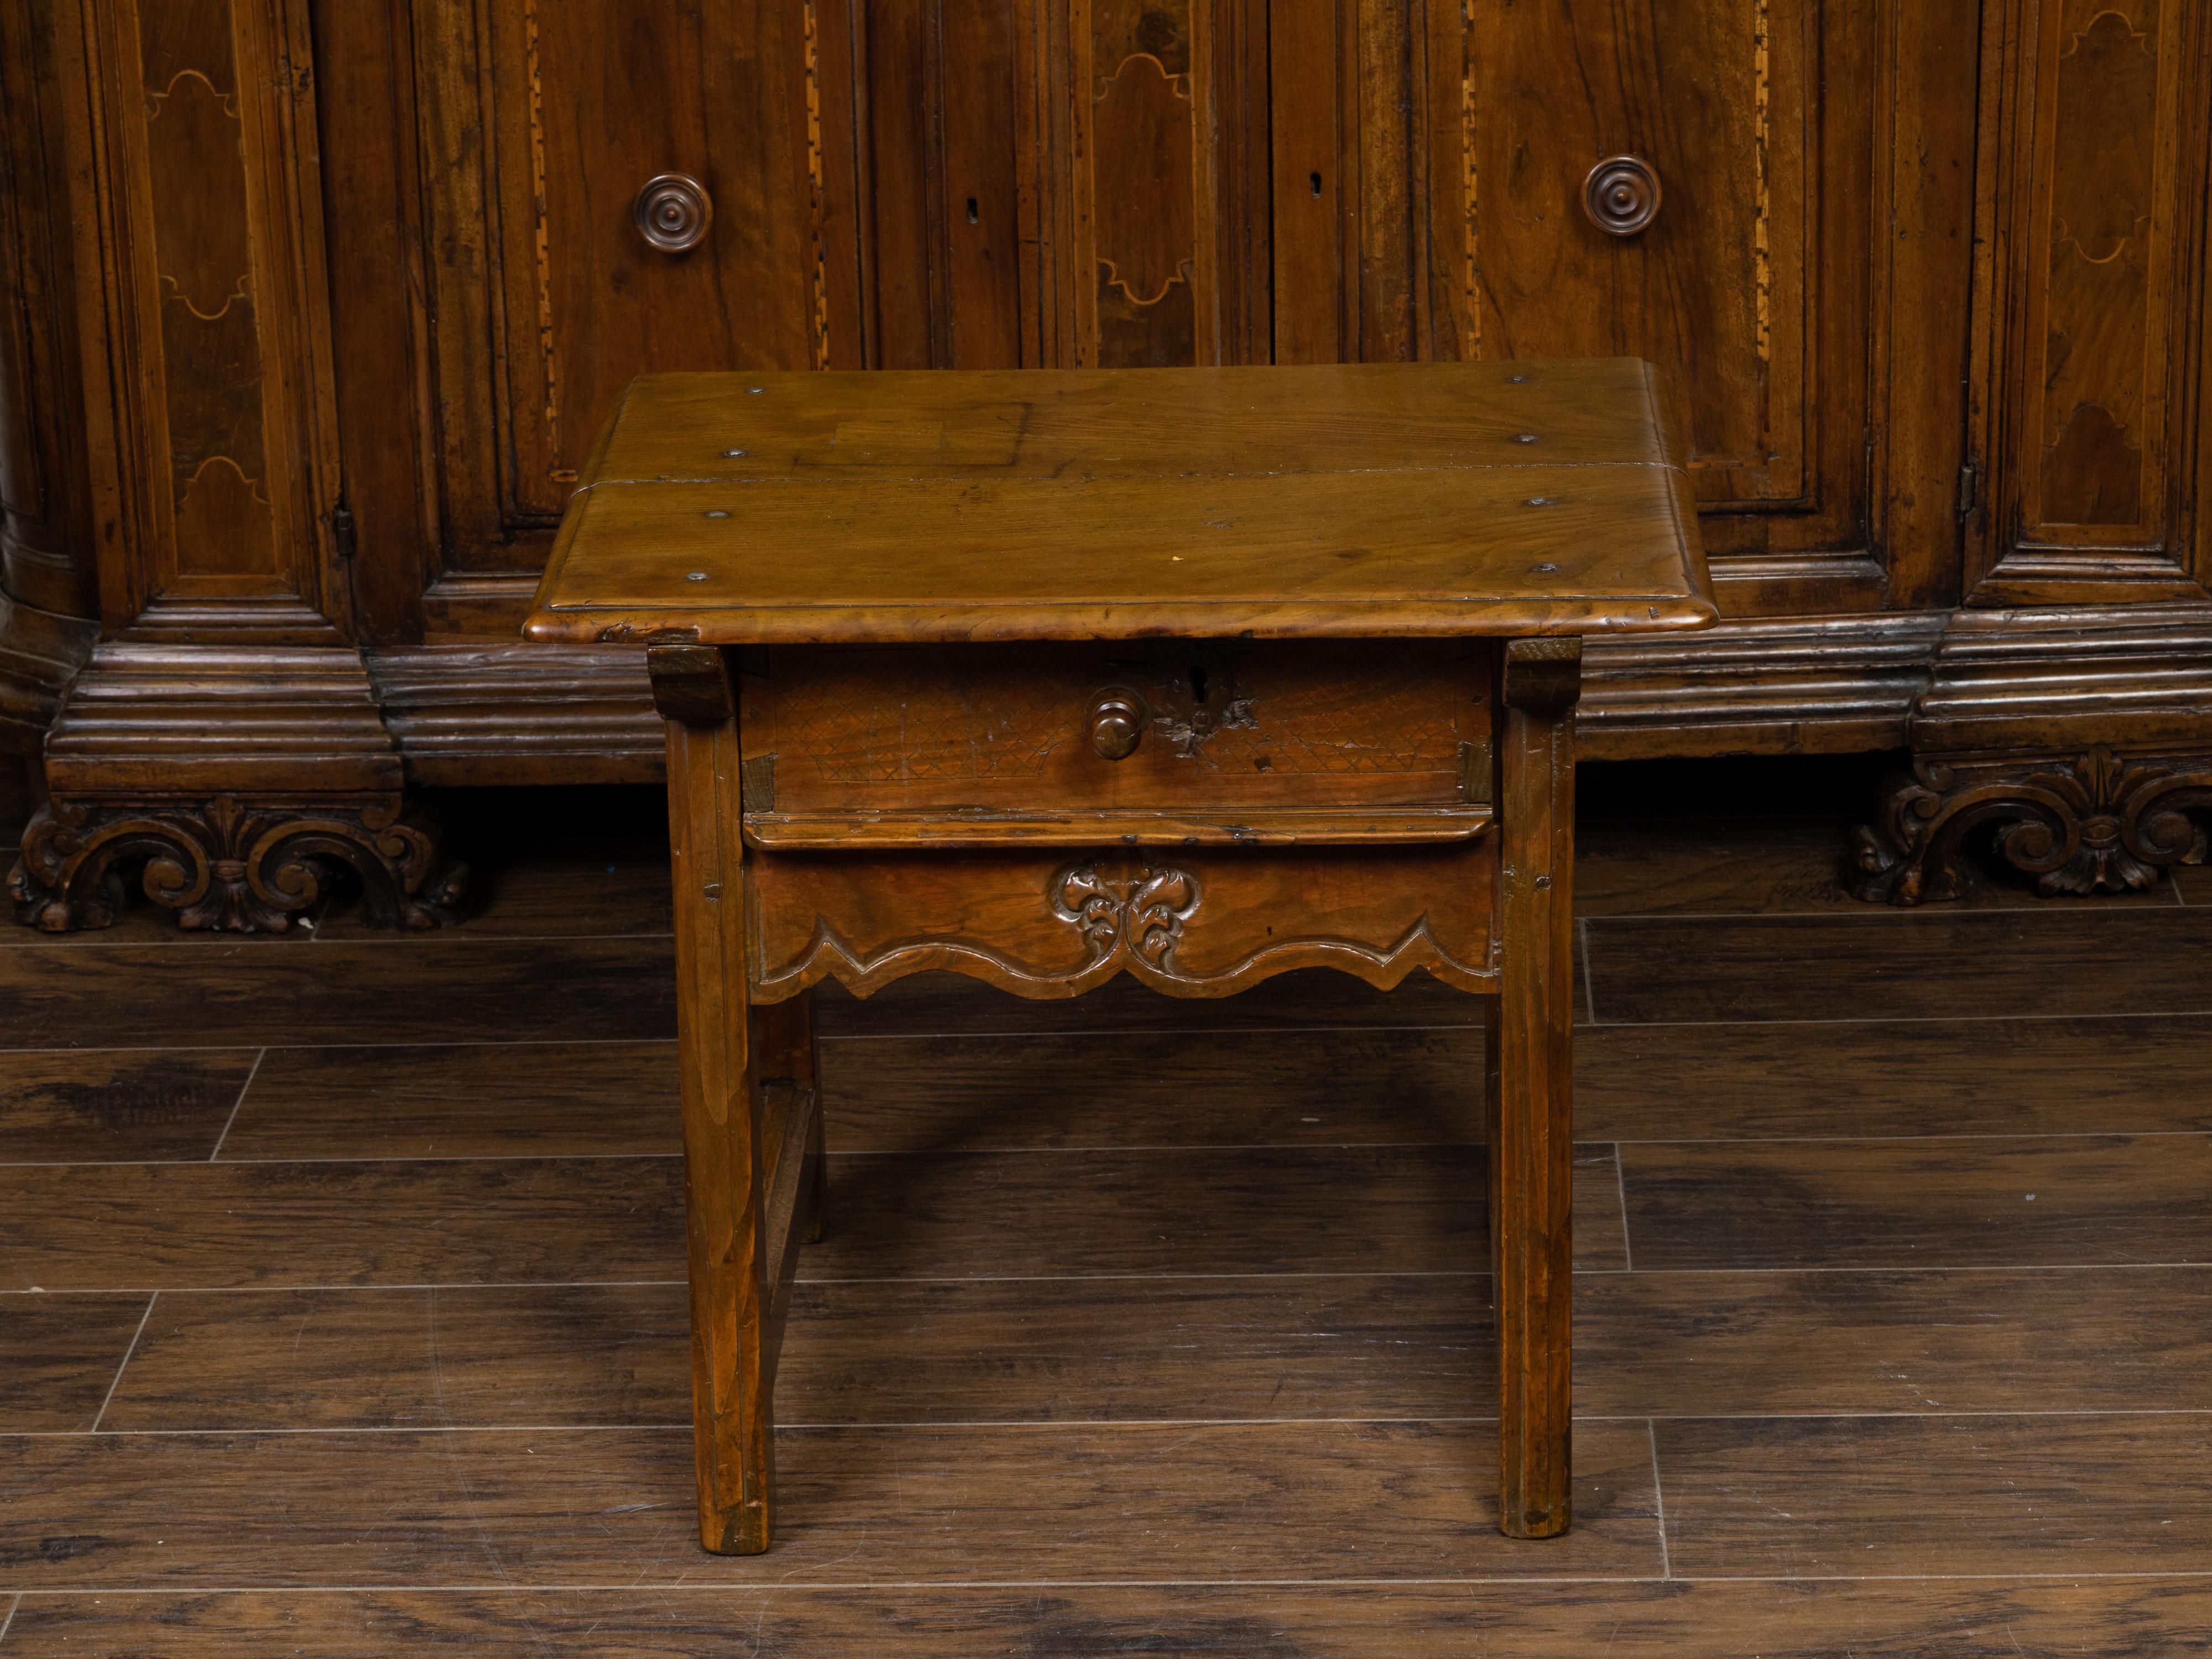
x=234 y=865
x=2100 y=821
x=1141 y=916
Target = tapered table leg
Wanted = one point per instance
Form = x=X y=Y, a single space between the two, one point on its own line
x=1530 y=1072
x=725 y=1198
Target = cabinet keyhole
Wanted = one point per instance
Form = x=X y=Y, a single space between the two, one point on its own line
x=973 y=217
x=1317 y=184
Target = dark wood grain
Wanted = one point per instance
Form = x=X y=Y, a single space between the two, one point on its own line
x=488 y=1356
x=1905 y=1078
x=2049 y=961
x=1139 y=1087
x=1345 y=1346
x=186 y=1226
x=59 y=1357
x=1305 y=1209
x=448 y=989
x=1776 y=1343
x=1144 y=1087
x=1750 y=866
x=553 y=892
x=1163 y=1503
x=1937 y=1496
x=2145 y=1618
x=476 y=1100
x=2193 y=883
x=2074 y=1200
x=64 y=1107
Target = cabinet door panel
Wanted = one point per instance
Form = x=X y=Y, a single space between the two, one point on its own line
x=1715 y=98
x=2100 y=294
x=541 y=122
x=1806 y=347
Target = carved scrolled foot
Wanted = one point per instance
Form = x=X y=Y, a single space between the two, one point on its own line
x=232 y=865
x=2102 y=820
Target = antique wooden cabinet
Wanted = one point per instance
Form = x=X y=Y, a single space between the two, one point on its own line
x=314 y=311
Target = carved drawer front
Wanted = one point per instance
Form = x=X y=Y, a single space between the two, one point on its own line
x=1195 y=922
x=1171 y=742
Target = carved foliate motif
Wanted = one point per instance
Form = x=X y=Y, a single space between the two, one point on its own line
x=226 y=864
x=1140 y=916
x=2100 y=821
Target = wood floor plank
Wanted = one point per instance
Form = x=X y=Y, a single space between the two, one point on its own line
x=481 y=1356
x=1135 y=1088
x=1933 y=1497
x=1000 y=1504
x=1758 y=866
x=617 y=885
x=59 y=1356
x=2029 y=1201
x=2150 y=1074
x=2137 y=1619
x=1814 y=1343
x=143 y=922
x=188 y=1226
x=555 y=1099
x=1154 y=1089
x=2140 y=1075
x=1400 y=1209
x=447 y=988
x=1357 y=1345
x=72 y=1106
x=2051 y=961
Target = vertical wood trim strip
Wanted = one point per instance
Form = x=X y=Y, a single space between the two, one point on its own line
x=542 y=246
x=819 y=320
x=1762 y=253
x=1471 y=184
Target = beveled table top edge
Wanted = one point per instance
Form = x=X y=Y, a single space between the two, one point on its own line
x=1475 y=618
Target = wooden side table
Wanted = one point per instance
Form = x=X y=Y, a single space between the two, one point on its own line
x=1195 y=675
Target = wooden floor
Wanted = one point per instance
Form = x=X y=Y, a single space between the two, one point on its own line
x=344 y=1312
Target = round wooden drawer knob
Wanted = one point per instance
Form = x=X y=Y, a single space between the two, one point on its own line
x=672 y=212
x=1621 y=195
x=1117 y=722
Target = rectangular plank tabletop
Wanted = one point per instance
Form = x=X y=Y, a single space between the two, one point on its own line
x=1384 y=499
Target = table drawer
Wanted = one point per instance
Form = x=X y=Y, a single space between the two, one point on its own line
x=1146 y=743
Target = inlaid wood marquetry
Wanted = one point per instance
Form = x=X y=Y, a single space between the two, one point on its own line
x=1143 y=114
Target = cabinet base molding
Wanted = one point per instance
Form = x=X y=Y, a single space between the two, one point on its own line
x=39 y=653
x=249 y=866
x=2076 y=741
x=492 y=712
x=1819 y=685
x=241 y=779
x=2098 y=819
